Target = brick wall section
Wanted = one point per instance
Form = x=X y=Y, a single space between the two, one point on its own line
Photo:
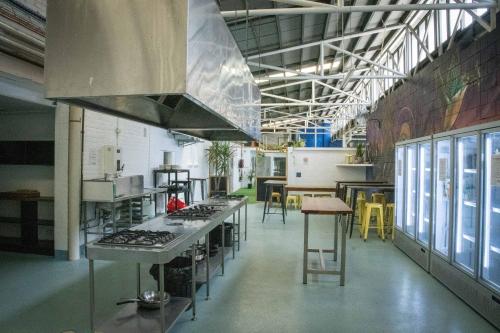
x=459 y=89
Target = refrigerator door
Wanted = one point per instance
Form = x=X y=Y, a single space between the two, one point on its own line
x=466 y=191
x=411 y=189
x=442 y=196
x=400 y=156
x=424 y=192
x=490 y=268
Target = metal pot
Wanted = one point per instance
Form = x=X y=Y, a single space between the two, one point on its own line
x=199 y=253
x=148 y=300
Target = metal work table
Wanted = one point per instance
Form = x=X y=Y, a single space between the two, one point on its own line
x=112 y=202
x=380 y=187
x=132 y=319
x=325 y=206
x=270 y=184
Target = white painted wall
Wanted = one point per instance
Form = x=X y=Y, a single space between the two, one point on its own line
x=26 y=126
x=142 y=148
x=318 y=166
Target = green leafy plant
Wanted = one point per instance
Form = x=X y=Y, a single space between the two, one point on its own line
x=219 y=158
x=359 y=150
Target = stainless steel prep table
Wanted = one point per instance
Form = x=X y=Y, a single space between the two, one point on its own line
x=325 y=206
x=131 y=318
x=113 y=201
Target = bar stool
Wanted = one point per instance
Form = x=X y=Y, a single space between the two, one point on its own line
x=378 y=209
x=360 y=208
x=293 y=199
x=276 y=195
x=379 y=198
x=389 y=212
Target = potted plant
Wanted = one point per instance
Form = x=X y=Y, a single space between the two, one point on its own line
x=219 y=158
x=250 y=179
x=359 y=153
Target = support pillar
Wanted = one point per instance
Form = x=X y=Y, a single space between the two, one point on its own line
x=74 y=180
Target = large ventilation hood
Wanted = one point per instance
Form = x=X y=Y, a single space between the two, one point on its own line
x=169 y=63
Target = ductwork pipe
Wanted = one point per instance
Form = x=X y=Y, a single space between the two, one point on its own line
x=74 y=181
x=21 y=35
x=21 y=47
x=304 y=3
x=361 y=9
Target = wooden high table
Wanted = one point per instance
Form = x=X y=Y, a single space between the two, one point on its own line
x=310 y=189
x=325 y=206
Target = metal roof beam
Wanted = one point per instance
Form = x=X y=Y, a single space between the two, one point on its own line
x=330 y=40
x=360 y=9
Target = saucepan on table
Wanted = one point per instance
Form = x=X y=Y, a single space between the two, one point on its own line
x=149 y=299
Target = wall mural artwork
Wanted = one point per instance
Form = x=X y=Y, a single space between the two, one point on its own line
x=459 y=89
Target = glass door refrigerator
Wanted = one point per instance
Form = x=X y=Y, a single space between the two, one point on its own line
x=448 y=211
x=442 y=198
x=490 y=261
x=399 y=186
x=413 y=199
x=466 y=204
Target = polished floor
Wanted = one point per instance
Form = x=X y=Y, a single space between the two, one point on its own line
x=262 y=290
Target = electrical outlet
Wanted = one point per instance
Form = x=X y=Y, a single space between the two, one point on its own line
x=298 y=174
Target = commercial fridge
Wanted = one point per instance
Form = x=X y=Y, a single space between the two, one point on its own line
x=413 y=199
x=448 y=211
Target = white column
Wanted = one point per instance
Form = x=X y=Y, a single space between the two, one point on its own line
x=61 y=180
x=74 y=181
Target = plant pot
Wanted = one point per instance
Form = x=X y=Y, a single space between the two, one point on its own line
x=249 y=186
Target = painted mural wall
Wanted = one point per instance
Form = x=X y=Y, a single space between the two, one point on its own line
x=459 y=89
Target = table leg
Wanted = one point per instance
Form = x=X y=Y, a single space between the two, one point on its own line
x=138 y=280
x=265 y=203
x=354 y=195
x=343 y=254
x=283 y=209
x=193 y=281
x=92 y=294
x=130 y=212
x=233 y=234
x=113 y=216
x=207 y=263
x=223 y=247
x=306 y=246
x=161 y=281
x=239 y=224
x=336 y=239
x=246 y=219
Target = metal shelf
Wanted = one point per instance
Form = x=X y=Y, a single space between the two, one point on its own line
x=215 y=263
x=132 y=319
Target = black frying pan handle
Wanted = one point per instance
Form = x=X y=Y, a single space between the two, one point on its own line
x=127 y=301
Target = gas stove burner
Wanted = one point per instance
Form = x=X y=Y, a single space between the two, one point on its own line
x=201 y=211
x=142 y=238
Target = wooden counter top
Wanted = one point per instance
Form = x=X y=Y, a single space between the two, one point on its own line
x=324 y=206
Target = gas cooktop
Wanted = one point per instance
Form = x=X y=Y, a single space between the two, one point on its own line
x=201 y=211
x=139 y=238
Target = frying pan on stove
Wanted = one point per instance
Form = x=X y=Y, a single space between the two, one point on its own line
x=149 y=299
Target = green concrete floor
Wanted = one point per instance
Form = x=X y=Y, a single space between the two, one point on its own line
x=262 y=289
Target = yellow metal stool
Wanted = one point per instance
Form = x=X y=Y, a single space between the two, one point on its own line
x=275 y=195
x=293 y=199
x=360 y=208
x=378 y=209
x=379 y=198
x=389 y=212
x=362 y=195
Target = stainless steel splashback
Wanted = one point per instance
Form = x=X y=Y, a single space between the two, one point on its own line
x=169 y=63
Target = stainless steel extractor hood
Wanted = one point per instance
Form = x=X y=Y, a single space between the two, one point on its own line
x=169 y=63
